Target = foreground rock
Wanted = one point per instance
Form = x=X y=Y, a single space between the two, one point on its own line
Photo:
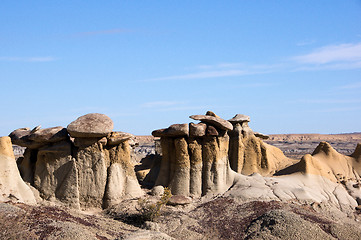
x=12 y=187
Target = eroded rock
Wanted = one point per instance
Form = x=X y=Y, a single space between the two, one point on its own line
x=91 y=125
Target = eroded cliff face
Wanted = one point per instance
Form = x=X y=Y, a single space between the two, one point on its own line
x=90 y=167
x=248 y=154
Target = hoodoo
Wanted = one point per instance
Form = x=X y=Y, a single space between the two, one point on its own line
x=83 y=165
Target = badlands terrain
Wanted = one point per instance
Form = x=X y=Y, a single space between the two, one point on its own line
x=209 y=179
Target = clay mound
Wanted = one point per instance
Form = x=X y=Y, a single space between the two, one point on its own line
x=12 y=187
x=327 y=162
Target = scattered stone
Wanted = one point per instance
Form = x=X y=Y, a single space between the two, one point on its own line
x=91 y=125
x=179 y=200
x=151 y=226
x=216 y=121
x=157 y=190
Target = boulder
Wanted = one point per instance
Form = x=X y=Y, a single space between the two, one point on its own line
x=197 y=130
x=12 y=187
x=211 y=131
x=116 y=138
x=240 y=118
x=179 y=200
x=49 y=135
x=216 y=121
x=21 y=137
x=91 y=125
x=175 y=130
x=210 y=113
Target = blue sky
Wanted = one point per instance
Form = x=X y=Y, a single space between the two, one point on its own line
x=292 y=66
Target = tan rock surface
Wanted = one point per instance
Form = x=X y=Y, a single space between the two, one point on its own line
x=56 y=174
x=12 y=187
x=216 y=121
x=49 y=135
x=91 y=125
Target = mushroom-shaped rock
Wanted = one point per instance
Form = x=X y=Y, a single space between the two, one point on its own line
x=175 y=130
x=239 y=118
x=116 y=138
x=91 y=125
x=49 y=135
x=216 y=121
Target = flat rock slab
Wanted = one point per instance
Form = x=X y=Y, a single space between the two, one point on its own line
x=21 y=137
x=49 y=135
x=175 y=130
x=91 y=125
x=261 y=135
x=216 y=121
x=239 y=118
x=116 y=138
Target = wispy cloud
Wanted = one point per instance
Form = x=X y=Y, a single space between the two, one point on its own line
x=342 y=109
x=352 y=85
x=329 y=101
x=331 y=57
x=102 y=32
x=27 y=59
x=305 y=43
x=222 y=70
x=332 y=54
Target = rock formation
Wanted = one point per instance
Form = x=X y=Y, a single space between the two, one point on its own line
x=195 y=157
x=12 y=187
x=249 y=154
x=90 y=169
x=327 y=162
